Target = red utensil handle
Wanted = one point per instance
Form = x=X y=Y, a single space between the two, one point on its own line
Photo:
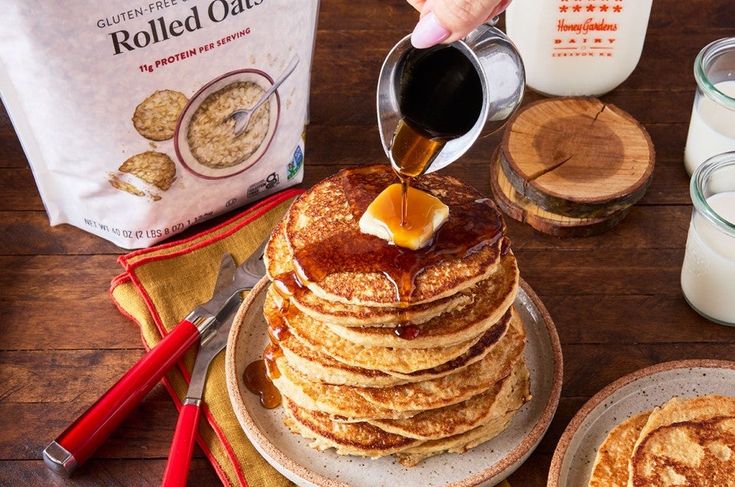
x=75 y=445
x=179 y=458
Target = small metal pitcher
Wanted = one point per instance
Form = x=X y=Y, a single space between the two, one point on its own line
x=502 y=76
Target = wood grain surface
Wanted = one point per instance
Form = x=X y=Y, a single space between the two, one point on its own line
x=519 y=207
x=615 y=297
x=577 y=156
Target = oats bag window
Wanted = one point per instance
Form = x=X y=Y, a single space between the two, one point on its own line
x=141 y=119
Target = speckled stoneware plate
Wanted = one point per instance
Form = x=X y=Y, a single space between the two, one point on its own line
x=637 y=392
x=488 y=464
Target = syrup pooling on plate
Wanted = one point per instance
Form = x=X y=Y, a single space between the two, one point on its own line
x=257 y=381
x=473 y=224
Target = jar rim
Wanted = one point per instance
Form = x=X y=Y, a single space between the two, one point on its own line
x=697 y=184
x=700 y=73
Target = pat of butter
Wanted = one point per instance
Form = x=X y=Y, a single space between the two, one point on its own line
x=425 y=215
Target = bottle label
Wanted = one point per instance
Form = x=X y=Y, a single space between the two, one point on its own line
x=587 y=28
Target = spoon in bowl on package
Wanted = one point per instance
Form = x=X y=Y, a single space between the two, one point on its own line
x=242 y=116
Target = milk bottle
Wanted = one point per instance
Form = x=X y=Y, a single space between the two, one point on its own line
x=578 y=47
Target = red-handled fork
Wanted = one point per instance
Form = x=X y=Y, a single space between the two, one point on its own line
x=77 y=443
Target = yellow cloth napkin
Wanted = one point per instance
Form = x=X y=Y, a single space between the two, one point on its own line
x=160 y=286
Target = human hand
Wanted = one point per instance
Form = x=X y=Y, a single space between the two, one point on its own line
x=450 y=20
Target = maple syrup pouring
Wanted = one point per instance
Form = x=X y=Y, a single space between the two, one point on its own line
x=440 y=99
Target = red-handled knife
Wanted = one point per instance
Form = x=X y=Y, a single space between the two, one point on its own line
x=77 y=443
x=179 y=458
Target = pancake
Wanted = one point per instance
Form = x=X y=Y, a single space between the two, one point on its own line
x=673 y=446
x=328 y=370
x=508 y=394
x=491 y=298
x=412 y=456
x=455 y=428
x=379 y=350
x=346 y=438
x=613 y=455
x=318 y=336
x=317 y=365
x=407 y=399
x=478 y=352
x=687 y=453
x=456 y=387
x=329 y=212
x=278 y=261
x=332 y=400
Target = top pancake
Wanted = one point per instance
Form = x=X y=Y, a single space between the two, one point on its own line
x=685 y=441
x=323 y=226
x=688 y=453
x=279 y=261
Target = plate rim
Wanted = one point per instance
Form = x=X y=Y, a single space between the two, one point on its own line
x=272 y=454
x=572 y=428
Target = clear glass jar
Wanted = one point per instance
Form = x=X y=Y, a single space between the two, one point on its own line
x=578 y=48
x=712 y=126
x=708 y=272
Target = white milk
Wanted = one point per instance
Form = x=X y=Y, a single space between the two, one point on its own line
x=708 y=272
x=571 y=47
x=711 y=129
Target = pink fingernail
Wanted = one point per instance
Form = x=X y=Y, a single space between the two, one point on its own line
x=428 y=32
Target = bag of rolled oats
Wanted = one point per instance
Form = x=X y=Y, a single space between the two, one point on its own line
x=140 y=118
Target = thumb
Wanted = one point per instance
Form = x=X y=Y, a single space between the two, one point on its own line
x=450 y=20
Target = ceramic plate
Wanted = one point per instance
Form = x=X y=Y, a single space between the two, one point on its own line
x=488 y=464
x=640 y=391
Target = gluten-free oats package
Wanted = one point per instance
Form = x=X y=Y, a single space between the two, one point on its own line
x=126 y=109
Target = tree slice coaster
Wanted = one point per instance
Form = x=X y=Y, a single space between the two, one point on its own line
x=524 y=210
x=578 y=156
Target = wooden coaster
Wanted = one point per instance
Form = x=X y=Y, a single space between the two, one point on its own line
x=524 y=210
x=578 y=156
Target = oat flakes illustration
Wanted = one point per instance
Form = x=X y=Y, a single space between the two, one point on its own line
x=211 y=136
x=155 y=117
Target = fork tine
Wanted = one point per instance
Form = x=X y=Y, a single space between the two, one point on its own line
x=254 y=265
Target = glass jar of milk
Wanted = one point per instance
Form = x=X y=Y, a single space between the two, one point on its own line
x=708 y=272
x=712 y=127
x=578 y=47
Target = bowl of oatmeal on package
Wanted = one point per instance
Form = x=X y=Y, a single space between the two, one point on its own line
x=205 y=138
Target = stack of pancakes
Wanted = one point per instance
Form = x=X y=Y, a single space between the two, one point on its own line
x=367 y=373
x=686 y=442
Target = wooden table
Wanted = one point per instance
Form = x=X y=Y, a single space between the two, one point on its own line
x=615 y=298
